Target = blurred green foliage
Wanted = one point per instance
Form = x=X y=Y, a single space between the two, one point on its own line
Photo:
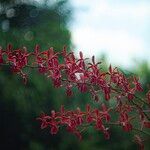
x=28 y=24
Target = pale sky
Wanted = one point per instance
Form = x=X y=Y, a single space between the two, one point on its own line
x=118 y=28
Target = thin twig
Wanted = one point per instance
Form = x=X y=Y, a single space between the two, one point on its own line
x=136 y=129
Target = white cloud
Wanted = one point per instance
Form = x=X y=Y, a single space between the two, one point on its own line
x=103 y=8
x=118 y=29
x=117 y=44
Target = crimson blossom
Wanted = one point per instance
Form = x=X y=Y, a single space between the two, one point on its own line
x=132 y=112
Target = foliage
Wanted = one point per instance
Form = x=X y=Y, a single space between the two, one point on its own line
x=19 y=104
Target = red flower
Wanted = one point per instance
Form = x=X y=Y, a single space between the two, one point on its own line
x=81 y=83
x=148 y=97
x=43 y=118
x=130 y=96
x=79 y=116
x=80 y=61
x=137 y=84
x=124 y=120
x=107 y=91
x=105 y=113
x=54 y=129
x=1 y=56
x=146 y=124
x=88 y=113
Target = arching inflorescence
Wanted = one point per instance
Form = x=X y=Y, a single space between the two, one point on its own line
x=65 y=70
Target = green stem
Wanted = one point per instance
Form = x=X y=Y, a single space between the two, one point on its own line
x=136 y=129
x=140 y=109
x=111 y=123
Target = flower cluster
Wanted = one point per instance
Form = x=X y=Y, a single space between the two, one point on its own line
x=76 y=121
x=65 y=70
x=72 y=72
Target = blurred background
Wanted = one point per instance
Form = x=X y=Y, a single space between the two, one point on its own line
x=117 y=32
